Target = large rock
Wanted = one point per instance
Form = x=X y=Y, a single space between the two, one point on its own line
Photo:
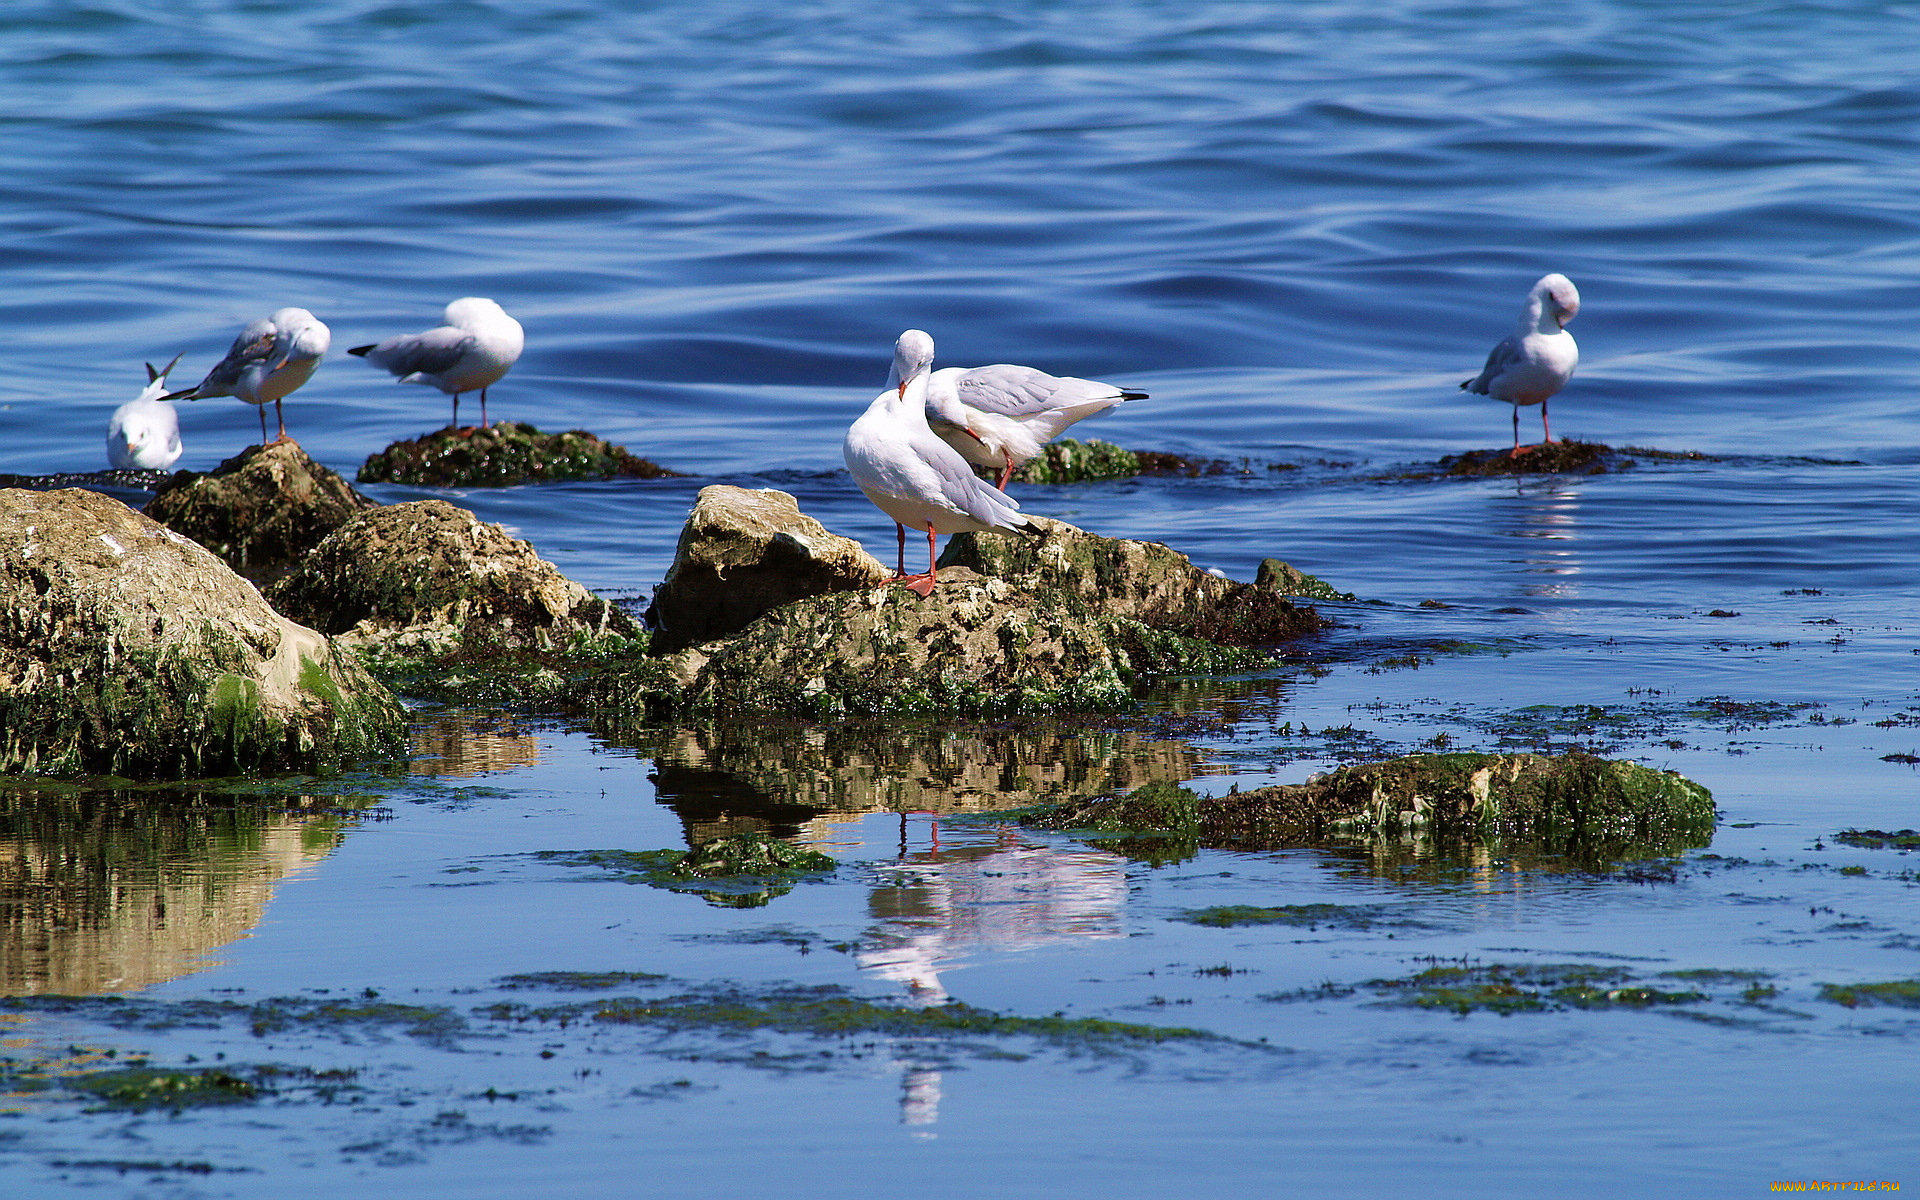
x=745 y=552
x=1146 y=581
x=261 y=510
x=126 y=649
x=1569 y=801
x=427 y=578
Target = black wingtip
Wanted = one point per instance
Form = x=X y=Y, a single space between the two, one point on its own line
x=184 y=395
x=359 y=351
x=1126 y=395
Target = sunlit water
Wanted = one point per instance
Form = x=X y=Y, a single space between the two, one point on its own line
x=1298 y=227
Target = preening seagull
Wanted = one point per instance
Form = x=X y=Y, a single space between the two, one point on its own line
x=921 y=481
x=144 y=433
x=1537 y=359
x=474 y=349
x=270 y=358
x=999 y=416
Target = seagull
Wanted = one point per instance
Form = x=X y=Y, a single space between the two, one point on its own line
x=472 y=350
x=999 y=416
x=144 y=433
x=919 y=480
x=270 y=358
x=1537 y=359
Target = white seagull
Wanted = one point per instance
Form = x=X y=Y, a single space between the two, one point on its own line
x=270 y=358
x=144 y=433
x=1537 y=359
x=999 y=416
x=919 y=480
x=472 y=350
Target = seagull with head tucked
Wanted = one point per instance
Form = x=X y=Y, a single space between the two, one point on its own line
x=144 y=433
x=473 y=350
x=270 y=358
x=918 y=479
x=999 y=416
x=1537 y=359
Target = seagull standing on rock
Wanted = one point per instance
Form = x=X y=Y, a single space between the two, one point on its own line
x=916 y=478
x=144 y=433
x=1536 y=360
x=1000 y=416
x=270 y=358
x=474 y=349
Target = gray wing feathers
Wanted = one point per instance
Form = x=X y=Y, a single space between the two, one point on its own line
x=1505 y=355
x=429 y=353
x=1018 y=392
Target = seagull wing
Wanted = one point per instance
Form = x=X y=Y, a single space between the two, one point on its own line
x=431 y=353
x=1503 y=357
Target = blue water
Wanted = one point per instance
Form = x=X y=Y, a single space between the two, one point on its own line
x=1299 y=227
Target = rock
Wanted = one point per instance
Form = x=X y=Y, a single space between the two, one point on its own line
x=1552 y=458
x=1285 y=580
x=261 y=510
x=1568 y=801
x=744 y=552
x=426 y=578
x=1070 y=461
x=502 y=455
x=1145 y=581
x=126 y=649
x=974 y=646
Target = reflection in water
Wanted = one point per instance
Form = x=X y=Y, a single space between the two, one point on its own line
x=1548 y=519
x=1008 y=895
x=459 y=744
x=114 y=892
x=724 y=780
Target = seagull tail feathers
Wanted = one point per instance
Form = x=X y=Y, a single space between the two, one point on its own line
x=359 y=351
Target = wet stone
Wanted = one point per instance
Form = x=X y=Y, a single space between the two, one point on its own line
x=502 y=455
x=260 y=511
x=428 y=578
x=126 y=649
x=1066 y=460
x=1551 y=458
x=744 y=552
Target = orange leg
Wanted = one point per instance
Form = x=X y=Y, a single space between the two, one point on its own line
x=920 y=585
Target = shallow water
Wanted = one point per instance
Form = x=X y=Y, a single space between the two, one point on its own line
x=1298 y=227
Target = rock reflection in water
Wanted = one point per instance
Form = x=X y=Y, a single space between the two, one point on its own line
x=115 y=892
x=456 y=744
x=802 y=779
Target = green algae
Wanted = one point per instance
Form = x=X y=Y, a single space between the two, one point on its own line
x=152 y=1087
x=1896 y=993
x=1879 y=839
x=502 y=455
x=1513 y=988
x=1287 y=580
x=579 y=981
x=1308 y=916
x=1070 y=461
x=747 y=870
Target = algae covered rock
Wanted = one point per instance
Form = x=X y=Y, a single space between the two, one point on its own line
x=1285 y=579
x=743 y=552
x=1145 y=581
x=1549 y=458
x=1070 y=461
x=261 y=510
x=975 y=646
x=502 y=455
x=126 y=649
x=1569 y=801
x=428 y=578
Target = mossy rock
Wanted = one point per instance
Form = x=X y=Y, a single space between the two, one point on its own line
x=1283 y=579
x=502 y=455
x=260 y=511
x=126 y=649
x=1550 y=458
x=1143 y=581
x=1571 y=801
x=1070 y=461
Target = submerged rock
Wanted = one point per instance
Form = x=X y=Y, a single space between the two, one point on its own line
x=1570 y=801
x=1145 y=581
x=744 y=552
x=1551 y=458
x=426 y=578
x=1070 y=461
x=260 y=511
x=502 y=455
x=1284 y=579
x=126 y=649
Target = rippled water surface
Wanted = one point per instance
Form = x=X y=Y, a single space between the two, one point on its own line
x=1299 y=227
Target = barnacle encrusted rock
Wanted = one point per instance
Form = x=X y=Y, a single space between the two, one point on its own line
x=428 y=578
x=261 y=510
x=1568 y=800
x=744 y=552
x=126 y=649
x=504 y=454
x=1146 y=581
